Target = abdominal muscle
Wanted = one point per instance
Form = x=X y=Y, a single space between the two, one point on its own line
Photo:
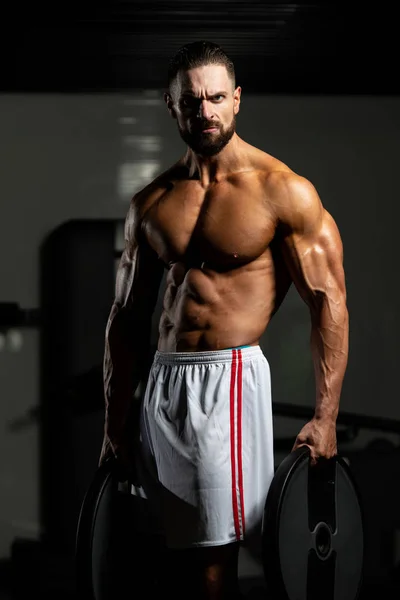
x=208 y=310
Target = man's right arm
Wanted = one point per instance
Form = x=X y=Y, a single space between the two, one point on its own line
x=127 y=339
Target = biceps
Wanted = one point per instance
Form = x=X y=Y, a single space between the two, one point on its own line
x=315 y=262
x=138 y=280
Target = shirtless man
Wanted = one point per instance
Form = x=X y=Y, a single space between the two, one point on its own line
x=234 y=227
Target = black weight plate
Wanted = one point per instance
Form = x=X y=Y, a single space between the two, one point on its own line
x=313 y=535
x=96 y=503
x=112 y=556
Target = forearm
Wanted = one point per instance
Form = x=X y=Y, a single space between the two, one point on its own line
x=125 y=365
x=329 y=346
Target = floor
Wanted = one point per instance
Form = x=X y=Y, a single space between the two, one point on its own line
x=50 y=578
x=38 y=574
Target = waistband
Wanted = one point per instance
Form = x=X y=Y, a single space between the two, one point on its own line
x=207 y=357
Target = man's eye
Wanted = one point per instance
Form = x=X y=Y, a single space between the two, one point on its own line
x=188 y=102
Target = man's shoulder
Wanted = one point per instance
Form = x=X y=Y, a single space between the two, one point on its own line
x=285 y=182
x=280 y=181
x=144 y=198
x=287 y=192
x=274 y=173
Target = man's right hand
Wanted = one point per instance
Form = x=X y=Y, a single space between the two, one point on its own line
x=124 y=456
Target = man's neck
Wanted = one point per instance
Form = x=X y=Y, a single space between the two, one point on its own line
x=211 y=169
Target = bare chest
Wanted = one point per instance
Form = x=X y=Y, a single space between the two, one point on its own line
x=226 y=224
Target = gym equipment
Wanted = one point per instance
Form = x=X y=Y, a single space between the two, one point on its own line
x=312 y=531
x=112 y=557
x=12 y=315
x=77 y=274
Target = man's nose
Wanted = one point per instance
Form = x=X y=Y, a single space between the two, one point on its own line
x=205 y=110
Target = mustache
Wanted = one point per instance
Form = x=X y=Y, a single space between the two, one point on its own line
x=200 y=126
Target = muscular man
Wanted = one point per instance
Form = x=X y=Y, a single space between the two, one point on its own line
x=234 y=227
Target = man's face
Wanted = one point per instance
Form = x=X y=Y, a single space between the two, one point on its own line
x=205 y=106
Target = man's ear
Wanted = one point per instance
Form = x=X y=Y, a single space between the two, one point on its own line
x=170 y=105
x=236 y=99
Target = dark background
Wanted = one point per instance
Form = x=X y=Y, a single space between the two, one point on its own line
x=81 y=89
x=277 y=47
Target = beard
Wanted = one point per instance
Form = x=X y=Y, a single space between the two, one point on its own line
x=208 y=144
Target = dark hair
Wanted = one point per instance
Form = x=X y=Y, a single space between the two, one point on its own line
x=199 y=54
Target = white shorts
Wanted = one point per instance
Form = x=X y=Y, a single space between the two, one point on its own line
x=207 y=444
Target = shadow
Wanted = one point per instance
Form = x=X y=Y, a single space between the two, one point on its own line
x=77 y=290
x=77 y=278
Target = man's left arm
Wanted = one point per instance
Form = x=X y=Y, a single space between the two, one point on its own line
x=313 y=252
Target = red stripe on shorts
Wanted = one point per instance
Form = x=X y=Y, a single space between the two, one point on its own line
x=239 y=435
x=236 y=441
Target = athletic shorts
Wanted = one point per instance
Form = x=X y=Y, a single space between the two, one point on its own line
x=206 y=445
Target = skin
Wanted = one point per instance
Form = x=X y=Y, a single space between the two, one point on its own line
x=234 y=230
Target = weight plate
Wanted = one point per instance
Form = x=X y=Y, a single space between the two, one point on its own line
x=312 y=533
x=112 y=556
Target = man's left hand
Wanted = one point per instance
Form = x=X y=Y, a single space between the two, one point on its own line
x=320 y=436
